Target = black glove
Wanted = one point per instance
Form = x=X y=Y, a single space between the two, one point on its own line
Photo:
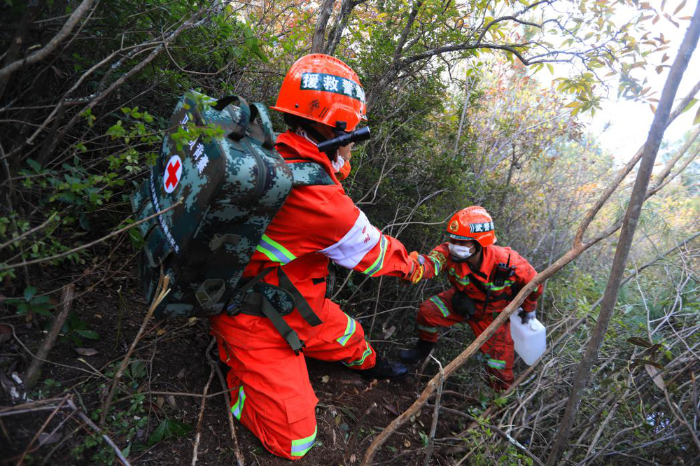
x=526 y=316
x=463 y=305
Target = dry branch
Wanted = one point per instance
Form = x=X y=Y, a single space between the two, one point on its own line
x=32 y=374
x=198 y=436
x=53 y=43
x=162 y=291
x=92 y=425
x=227 y=400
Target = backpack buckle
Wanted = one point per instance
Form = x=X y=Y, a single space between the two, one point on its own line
x=234 y=307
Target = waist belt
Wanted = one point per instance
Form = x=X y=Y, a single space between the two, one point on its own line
x=260 y=299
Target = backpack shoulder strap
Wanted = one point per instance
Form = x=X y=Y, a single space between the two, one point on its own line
x=309 y=174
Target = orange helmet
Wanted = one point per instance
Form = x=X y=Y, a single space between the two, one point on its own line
x=472 y=223
x=323 y=89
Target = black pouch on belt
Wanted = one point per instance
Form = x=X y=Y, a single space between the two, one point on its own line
x=463 y=305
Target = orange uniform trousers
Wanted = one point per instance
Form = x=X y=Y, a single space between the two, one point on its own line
x=270 y=389
x=498 y=350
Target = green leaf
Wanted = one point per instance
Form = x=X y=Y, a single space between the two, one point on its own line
x=84 y=221
x=88 y=334
x=40 y=300
x=36 y=166
x=169 y=428
x=697 y=117
x=29 y=293
x=42 y=310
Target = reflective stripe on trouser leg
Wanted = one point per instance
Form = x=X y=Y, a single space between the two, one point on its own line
x=237 y=407
x=349 y=331
x=341 y=338
x=301 y=446
x=434 y=313
x=498 y=351
x=362 y=362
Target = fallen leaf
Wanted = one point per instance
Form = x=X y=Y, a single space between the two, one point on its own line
x=181 y=374
x=406 y=443
x=171 y=402
x=353 y=458
x=160 y=332
x=391 y=409
x=655 y=376
x=389 y=332
x=86 y=351
x=47 y=439
x=160 y=401
x=325 y=379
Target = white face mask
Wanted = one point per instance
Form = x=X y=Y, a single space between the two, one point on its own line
x=459 y=251
x=338 y=163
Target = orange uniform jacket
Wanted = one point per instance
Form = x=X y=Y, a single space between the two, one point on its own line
x=316 y=224
x=440 y=260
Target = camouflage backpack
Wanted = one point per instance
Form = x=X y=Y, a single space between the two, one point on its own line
x=208 y=202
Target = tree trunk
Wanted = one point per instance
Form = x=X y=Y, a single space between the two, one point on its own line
x=320 y=30
x=627 y=234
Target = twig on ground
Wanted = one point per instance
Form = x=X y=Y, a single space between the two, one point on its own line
x=161 y=292
x=94 y=427
x=41 y=429
x=436 y=414
x=34 y=370
x=227 y=400
x=352 y=441
x=198 y=436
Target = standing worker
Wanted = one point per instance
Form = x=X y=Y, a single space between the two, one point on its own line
x=271 y=393
x=485 y=278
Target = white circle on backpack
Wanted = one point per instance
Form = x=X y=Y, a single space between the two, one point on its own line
x=172 y=173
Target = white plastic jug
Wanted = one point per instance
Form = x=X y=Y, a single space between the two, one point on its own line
x=530 y=339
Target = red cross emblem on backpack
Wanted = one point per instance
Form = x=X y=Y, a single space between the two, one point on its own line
x=172 y=174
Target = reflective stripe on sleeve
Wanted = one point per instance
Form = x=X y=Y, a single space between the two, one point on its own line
x=349 y=331
x=237 y=409
x=360 y=361
x=443 y=309
x=361 y=239
x=379 y=263
x=303 y=445
x=274 y=251
x=427 y=329
x=438 y=261
x=496 y=363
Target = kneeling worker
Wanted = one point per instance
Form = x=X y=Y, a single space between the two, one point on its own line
x=484 y=278
x=271 y=392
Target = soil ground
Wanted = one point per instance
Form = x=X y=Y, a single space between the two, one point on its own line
x=171 y=357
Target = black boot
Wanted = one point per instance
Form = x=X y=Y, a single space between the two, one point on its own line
x=385 y=369
x=418 y=353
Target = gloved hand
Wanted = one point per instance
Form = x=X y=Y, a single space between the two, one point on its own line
x=418 y=268
x=526 y=316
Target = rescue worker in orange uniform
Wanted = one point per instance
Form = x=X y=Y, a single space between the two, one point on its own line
x=484 y=278
x=271 y=392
